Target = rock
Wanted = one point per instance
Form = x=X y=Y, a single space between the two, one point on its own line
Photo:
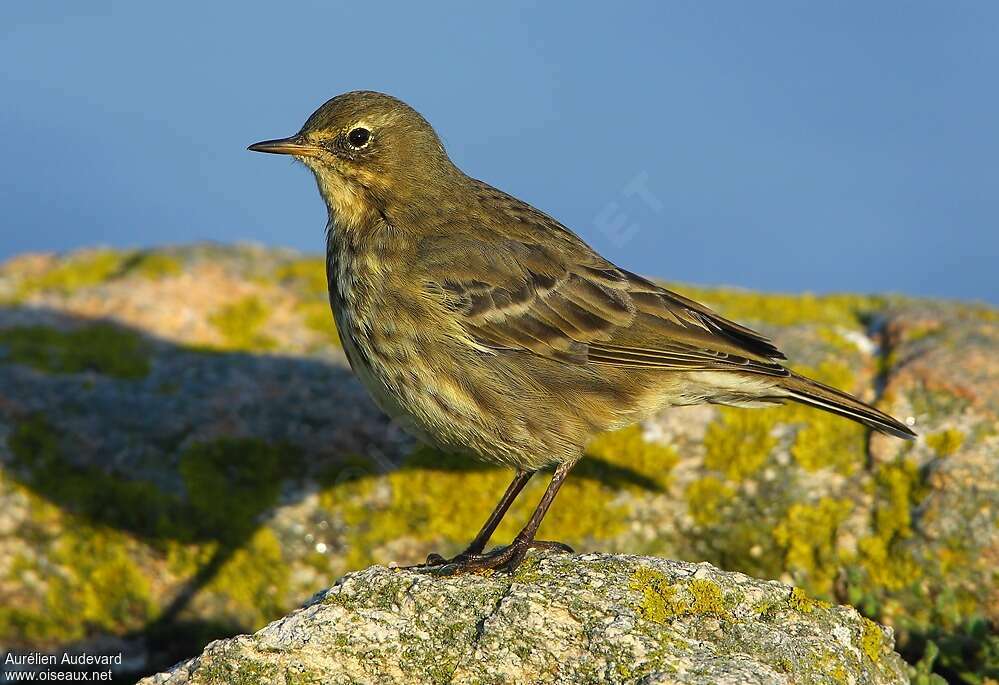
x=591 y=618
x=184 y=456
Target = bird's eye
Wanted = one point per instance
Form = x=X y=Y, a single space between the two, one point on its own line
x=359 y=137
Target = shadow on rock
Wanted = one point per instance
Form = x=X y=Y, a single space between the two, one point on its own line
x=178 y=446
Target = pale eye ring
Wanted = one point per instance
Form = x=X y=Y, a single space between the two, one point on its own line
x=358 y=137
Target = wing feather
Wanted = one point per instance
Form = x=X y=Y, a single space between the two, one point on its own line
x=531 y=284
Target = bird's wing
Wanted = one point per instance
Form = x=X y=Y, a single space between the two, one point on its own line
x=559 y=299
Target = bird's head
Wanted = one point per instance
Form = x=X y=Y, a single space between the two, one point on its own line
x=370 y=153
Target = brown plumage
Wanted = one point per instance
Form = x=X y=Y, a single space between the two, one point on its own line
x=486 y=327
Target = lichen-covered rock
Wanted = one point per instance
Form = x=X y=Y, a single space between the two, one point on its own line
x=184 y=456
x=560 y=619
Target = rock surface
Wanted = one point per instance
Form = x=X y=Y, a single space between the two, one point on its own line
x=184 y=456
x=560 y=619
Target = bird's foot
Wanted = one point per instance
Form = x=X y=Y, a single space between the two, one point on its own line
x=504 y=558
x=435 y=560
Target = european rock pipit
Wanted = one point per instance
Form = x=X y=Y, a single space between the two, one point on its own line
x=486 y=327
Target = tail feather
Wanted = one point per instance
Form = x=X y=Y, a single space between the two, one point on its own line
x=815 y=394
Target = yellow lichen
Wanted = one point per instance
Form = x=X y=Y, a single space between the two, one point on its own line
x=419 y=501
x=871 y=639
x=664 y=601
x=808 y=535
x=708 y=598
x=785 y=310
x=627 y=448
x=899 y=489
x=255 y=580
x=316 y=316
x=91 y=584
x=705 y=497
x=104 y=587
x=833 y=336
x=240 y=324
x=826 y=440
x=307 y=277
x=110 y=537
x=945 y=442
x=832 y=372
x=739 y=441
x=658 y=601
x=308 y=273
x=81 y=270
x=800 y=601
x=152 y=265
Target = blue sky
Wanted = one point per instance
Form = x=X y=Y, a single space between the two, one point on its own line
x=776 y=145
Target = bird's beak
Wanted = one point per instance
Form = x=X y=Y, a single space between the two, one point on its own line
x=295 y=145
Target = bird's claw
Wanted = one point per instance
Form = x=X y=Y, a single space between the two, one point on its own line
x=504 y=558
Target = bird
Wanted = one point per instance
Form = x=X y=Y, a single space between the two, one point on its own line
x=488 y=329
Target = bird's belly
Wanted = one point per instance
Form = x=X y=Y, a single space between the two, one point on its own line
x=376 y=383
x=432 y=398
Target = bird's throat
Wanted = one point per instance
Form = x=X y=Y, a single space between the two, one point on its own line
x=349 y=204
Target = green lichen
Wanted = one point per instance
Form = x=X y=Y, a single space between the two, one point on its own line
x=226 y=670
x=705 y=497
x=240 y=324
x=230 y=481
x=808 y=535
x=934 y=402
x=945 y=442
x=738 y=442
x=91 y=579
x=39 y=458
x=528 y=571
x=75 y=272
x=100 y=347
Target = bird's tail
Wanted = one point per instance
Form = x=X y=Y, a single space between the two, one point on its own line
x=815 y=394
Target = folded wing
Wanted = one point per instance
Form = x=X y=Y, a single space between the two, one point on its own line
x=566 y=303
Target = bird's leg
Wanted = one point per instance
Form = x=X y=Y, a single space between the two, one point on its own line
x=510 y=557
x=479 y=543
